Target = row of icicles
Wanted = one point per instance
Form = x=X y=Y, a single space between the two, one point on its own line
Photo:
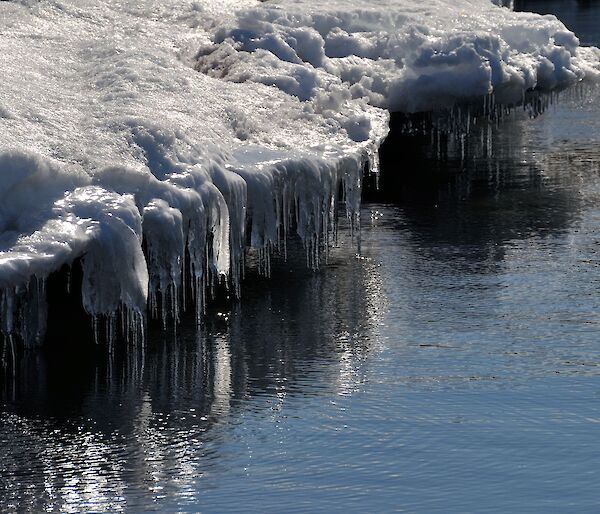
x=23 y=309
x=471 y=125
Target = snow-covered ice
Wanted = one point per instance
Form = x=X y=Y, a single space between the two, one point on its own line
x=403 y=55
x=146 y=136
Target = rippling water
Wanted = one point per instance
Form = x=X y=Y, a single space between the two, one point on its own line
x=453 y=367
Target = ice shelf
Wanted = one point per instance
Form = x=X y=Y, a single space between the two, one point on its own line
x=145 y=139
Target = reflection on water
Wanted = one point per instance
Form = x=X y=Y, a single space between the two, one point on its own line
x=136 y=430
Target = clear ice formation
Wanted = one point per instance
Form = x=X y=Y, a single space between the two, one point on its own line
x=146 y=138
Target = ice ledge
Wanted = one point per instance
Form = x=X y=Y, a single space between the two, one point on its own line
x=145 y=140
x=142 y=250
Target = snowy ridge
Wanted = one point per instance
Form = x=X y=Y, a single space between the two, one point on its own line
x=402 y=55
x=146 y=138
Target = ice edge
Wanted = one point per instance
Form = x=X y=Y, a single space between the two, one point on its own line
x=154 y=243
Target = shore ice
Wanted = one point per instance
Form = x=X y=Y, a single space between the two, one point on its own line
x=137 y=134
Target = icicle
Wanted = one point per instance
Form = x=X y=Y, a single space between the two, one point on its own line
x=96 y=329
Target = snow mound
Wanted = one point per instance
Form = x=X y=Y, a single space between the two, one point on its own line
x=401 y=55
x=155 y=140
x=117 y=152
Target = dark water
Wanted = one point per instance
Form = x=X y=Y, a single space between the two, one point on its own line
x=454 y=367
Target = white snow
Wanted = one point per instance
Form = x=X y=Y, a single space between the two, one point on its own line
x=169 y=125
x=404 y=55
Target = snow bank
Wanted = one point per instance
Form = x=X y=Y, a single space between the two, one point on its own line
x=115 y=150
x=402 y=55
x=153 y=140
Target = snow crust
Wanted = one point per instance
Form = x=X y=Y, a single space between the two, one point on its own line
x=153 y=140
x=402 y=55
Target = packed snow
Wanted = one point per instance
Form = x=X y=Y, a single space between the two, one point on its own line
x=402 y=55
x=155 y=140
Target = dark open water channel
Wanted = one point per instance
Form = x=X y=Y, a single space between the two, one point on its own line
x=454 y=367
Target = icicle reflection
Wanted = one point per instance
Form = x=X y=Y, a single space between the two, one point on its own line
x=83 y=431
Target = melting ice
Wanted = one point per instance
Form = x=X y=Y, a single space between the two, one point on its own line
x=155 y=140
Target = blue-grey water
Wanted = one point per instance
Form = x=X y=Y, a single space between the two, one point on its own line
x=453 y=367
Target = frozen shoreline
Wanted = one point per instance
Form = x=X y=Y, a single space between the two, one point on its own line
x=176 y=125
